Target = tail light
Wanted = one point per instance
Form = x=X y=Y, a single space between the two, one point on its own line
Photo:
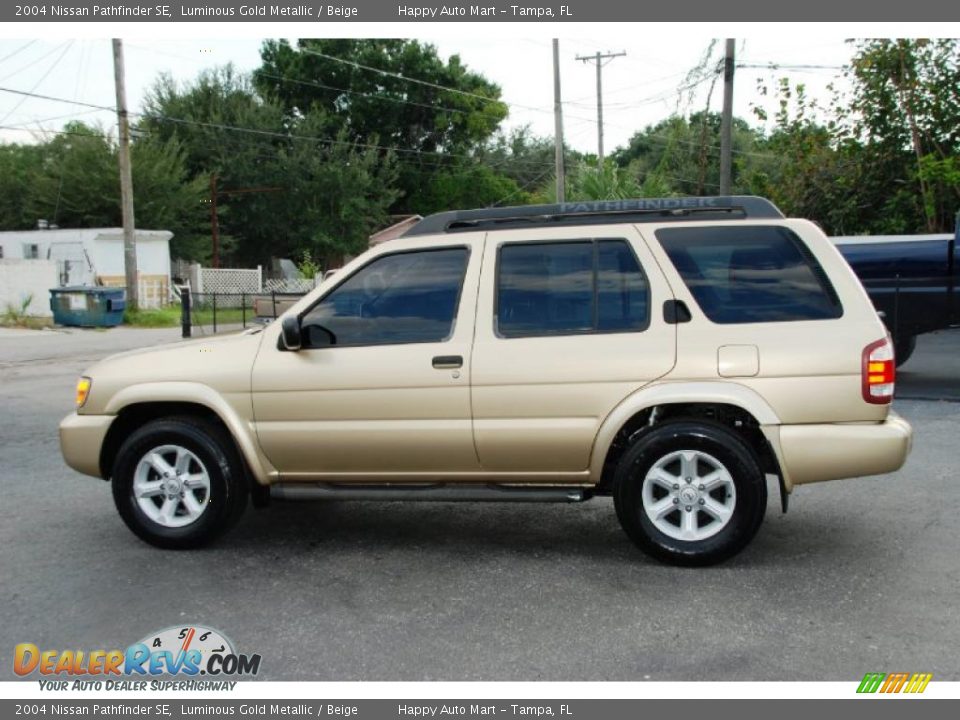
x=879 y=372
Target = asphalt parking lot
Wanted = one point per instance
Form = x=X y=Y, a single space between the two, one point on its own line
x=861 y=575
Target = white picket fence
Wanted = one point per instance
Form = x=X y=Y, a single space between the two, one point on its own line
x=290 y=285
x=234 y=287
x=226 y=280
x=237 y=281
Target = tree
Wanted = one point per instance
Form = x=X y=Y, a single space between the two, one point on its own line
x=885 y=159
x=392 y=89
x=197 y=115
x=72 y=180
x=400 y=94
x=683 y=154
x=800 y=167
x=18 y=165
x=468 y=185
x=286 y=184
x=522 y=157
x=588 y=181
x=904 y=113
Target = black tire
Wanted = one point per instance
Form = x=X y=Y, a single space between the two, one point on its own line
x=749 y=501
x=903 y=348
x=223 y=504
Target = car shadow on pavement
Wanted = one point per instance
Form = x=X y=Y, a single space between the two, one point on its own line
x=586 y=531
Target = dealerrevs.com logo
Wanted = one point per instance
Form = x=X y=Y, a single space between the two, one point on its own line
x=189 y=651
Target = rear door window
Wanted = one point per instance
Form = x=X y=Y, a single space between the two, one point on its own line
x=570 y=287
x=751 y=274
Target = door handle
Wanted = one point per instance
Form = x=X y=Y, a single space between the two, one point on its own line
x=448 y=362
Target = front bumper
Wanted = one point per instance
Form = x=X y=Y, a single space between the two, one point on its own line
x=812 y=453
x=81 y=439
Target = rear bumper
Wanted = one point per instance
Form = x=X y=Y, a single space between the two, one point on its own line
x=813 y=453
x=81 y=438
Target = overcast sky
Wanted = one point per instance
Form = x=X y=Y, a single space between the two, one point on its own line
x=639 y=89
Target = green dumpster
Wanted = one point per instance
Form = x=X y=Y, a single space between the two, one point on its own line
x=82 y=306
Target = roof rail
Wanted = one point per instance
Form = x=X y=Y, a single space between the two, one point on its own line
x=735 y=207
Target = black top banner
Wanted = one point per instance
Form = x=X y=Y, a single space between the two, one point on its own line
x=412 y=11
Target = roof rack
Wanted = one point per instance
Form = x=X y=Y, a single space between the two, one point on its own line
x=735 y=207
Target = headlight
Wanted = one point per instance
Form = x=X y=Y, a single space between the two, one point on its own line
x=83 y=390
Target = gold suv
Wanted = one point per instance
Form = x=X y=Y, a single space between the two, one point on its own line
x=672 y=353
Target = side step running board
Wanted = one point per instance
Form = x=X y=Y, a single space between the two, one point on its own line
x=442 y=492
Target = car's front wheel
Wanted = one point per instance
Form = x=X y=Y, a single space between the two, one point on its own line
x=178 y=482
x=690 y=493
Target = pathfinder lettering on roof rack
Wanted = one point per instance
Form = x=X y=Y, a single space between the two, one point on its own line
x=736 y=207
x=679 y=203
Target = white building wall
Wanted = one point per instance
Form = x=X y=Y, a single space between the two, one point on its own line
x=20 y=279
x=153 y=252
x=104 y=246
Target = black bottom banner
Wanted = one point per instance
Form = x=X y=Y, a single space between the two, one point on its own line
x=786 y=709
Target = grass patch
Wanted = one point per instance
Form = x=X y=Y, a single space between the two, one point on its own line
x=16 y=315
x=225 y=316
x=155 y=318
x=170 y=317
x=27 y=322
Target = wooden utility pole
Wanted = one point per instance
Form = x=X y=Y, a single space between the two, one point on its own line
x=598 y=58
x=126 y=180
x=558 y=125
x=214 y=223
x=726 y=120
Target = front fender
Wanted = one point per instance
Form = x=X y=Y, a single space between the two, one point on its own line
x=235 y=410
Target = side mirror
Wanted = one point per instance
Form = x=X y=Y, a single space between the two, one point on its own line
x=290 y=333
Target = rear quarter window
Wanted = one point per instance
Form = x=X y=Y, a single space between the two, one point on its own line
x=751 y=274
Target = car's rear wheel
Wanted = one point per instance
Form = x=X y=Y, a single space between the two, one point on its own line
x=178 y=482
x=690 y=493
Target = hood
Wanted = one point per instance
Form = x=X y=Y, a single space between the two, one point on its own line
x=223 y=363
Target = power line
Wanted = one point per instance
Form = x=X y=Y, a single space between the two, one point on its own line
x=323 y=86
x=287 y=136
x=84 y=54
x=385 y=98
x=17 y=51
x=18 y=128
x=235 y=128
x=38 y=83
x=287 y=78
x=379 y=97
x=36 y=61
x=69 y=116
x=418 y=81
x=40 y=96
x=427 y=83
x=522 y=188
x=628 y=88
x=297 y=81
x=783 y=66
x=598 y=59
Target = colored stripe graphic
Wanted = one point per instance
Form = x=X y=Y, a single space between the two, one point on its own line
x=894 y=682
x=871 y=682
x=918 y=683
